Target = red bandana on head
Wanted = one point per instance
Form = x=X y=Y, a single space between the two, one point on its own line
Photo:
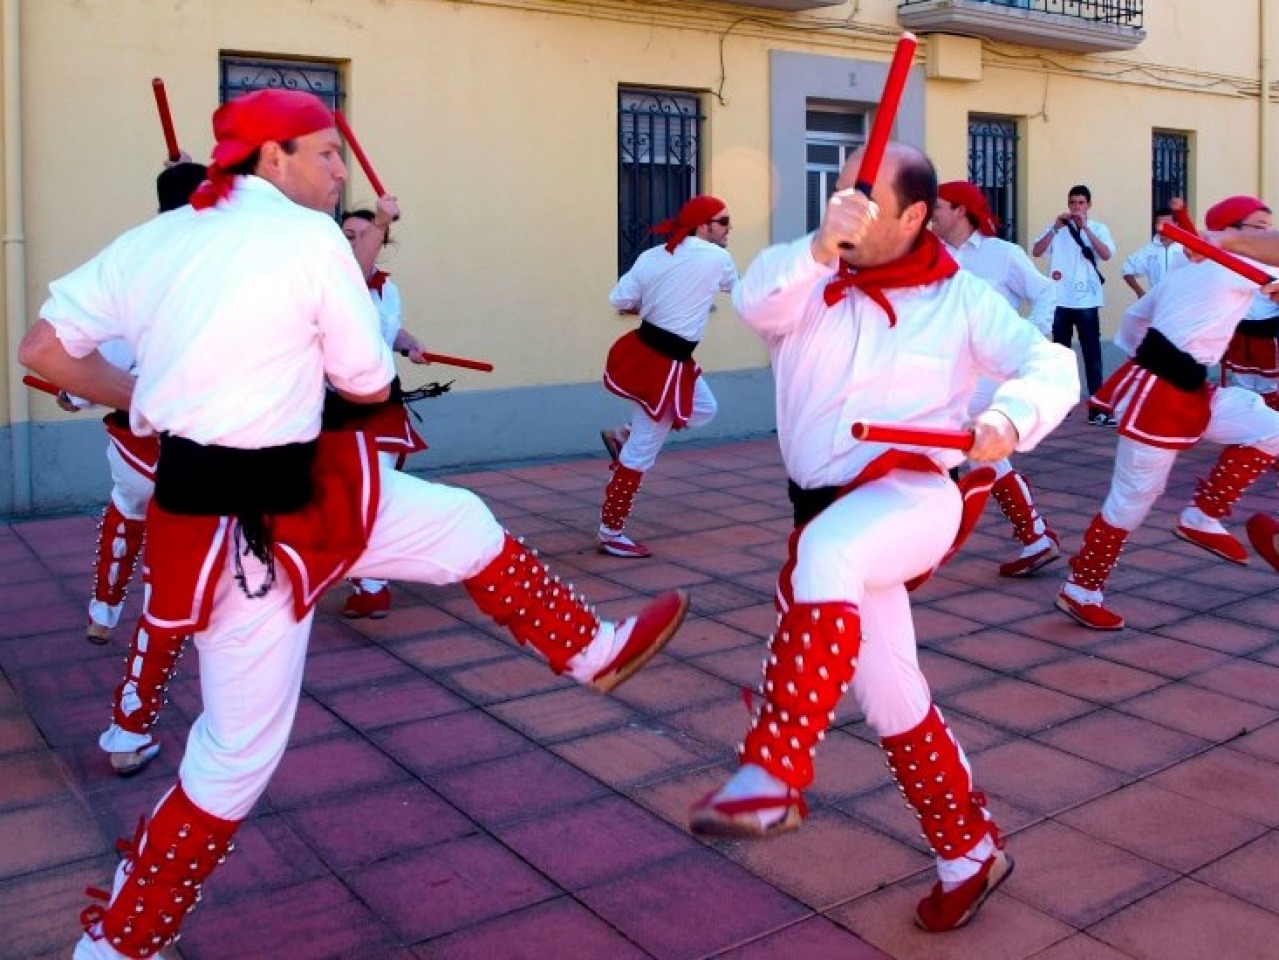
x=698 y=211
x=961 y=193
x=1232 y=210
x=926 y=262
x=244 y=124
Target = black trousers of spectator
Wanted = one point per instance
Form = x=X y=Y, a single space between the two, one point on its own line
x=1087 y=321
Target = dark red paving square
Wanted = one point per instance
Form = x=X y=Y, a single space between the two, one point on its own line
x=378 y=823
x=392 y=702
x=594 y=842
x=563 y=713
x=326 y=768
x=1162 y=826
x=530 y=785
x=450 y=886
x=353 y=668
x=1041 y=779
x=1019 y=706
x=1228 y=780
x=515 y=675
x=36 y=838
x=813 y=939
x=1123 y=742
x=307 y=921
x=1079 y=879
x=1199 y=712
x=557 y=928
x=427 y=747
x=38 y=910
x=633 y=754
x=268 y=855
x=677 y=908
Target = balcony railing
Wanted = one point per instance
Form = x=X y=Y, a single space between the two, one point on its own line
x=1082 y=26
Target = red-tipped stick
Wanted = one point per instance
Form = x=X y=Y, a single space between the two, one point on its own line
x=166 y=118
x=1197 y=244
x=444 y=358
x=912 y=436
x=44 y=386
x=361 y=157
x=882 y=127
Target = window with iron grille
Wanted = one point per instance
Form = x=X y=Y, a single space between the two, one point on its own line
x=1170 y=167
x=241 y=75
x=659 y=136
x=992 y=165
x=832 y=132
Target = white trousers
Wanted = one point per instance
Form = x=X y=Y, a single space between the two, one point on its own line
x=1238 y=416
x=862 y=549
x=253 y=652
x=130 y=490
x=648 y=435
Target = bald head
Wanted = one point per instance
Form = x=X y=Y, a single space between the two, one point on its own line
x=906 y=191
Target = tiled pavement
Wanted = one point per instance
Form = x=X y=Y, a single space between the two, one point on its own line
x=447 y=797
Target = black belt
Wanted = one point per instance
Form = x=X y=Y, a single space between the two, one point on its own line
x=809 y=503
x=666 y=343
x=1161 y=357
x=1267 y=329
x=343 y=414
x=118 y=419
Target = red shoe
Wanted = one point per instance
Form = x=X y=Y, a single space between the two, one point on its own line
x=735 y=818
x=1025 y=566
x=622 y=546
x=1092 y=615
x=944 y=910
x=1263 y=534
x=1221 y=544
x=650 y=632
x=374 y=604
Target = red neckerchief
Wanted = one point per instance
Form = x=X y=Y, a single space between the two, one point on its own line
x=926 y=262
x=376 y=279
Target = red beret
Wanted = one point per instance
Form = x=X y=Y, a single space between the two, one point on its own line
x=961 y=193
x=1231 y=211
x=698 y=211
x=243 y=125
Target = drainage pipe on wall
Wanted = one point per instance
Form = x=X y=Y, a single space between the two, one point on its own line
x=1263 y=115
x=15 y=258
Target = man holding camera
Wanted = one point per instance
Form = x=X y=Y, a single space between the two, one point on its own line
x=1076 y=246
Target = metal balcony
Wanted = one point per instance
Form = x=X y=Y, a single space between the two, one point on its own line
x=1078 y=26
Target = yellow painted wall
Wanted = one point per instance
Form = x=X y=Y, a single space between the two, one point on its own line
x=495 y=123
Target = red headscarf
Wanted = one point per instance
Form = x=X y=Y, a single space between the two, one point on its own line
x=926 y=262
x=1232 y=210
x=698 y=211
x=961 y=193
x=242 y=125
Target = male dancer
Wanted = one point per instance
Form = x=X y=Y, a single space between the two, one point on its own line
x=1165 y=404
x=964 y=221
x=130 y=458
x=871 y=318
x=239 y=310
x=672 y=288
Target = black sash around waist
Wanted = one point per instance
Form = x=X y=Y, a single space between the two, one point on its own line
x=118 y=419
x=666 y=343
x=1161 y=357
x=1265 y=329
x=809 y=503
x=195 y=479
x=343 y=414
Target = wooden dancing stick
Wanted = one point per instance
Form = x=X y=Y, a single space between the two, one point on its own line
x=912 y=436
x=882 y=127
x=444 y=358
x=44 y=386
x=1197 y=244
x=361 y=157
x=166 y=118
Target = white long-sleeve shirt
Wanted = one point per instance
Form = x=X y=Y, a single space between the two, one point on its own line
x=1078 y=284
x=1155 y=260
x=1196 y=307
x=237 y=315
x=835 y=365
x=675 y=291
x=1007 y=268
